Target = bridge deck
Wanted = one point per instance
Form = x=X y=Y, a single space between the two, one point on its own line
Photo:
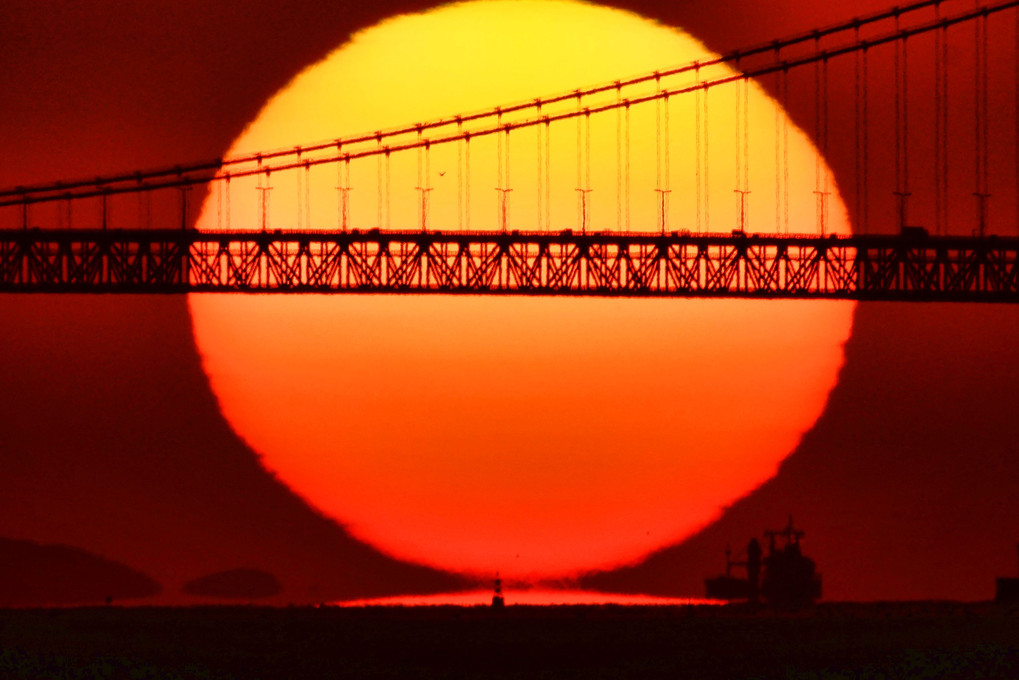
x=909 y=267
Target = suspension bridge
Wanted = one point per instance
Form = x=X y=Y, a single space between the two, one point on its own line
x=927 y=155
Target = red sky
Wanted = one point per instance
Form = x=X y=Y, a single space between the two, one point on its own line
x=111 y=440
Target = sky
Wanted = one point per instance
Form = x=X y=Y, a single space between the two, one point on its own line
x=112 y=442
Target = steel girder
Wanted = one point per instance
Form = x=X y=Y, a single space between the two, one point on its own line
x=889 y=267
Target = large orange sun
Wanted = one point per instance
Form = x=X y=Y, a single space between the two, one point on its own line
x=536 y=437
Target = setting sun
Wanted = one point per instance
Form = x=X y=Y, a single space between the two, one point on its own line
x=535 y=437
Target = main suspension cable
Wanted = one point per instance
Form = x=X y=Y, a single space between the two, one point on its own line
x=100 y=186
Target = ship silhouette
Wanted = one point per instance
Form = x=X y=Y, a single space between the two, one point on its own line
x=1007 y=589
x=784 y=577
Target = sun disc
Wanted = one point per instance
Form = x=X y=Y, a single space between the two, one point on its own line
x=536 y=437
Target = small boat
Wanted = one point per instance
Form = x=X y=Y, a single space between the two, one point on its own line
x=497 y=599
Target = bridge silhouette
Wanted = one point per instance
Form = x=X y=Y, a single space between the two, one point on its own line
x=137 y=232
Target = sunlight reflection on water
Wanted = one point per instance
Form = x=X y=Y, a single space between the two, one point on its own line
x=525 y=597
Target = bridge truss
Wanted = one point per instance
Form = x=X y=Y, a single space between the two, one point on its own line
x=875 y=267
x=240 y=247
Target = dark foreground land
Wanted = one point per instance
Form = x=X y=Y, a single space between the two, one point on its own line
x=914 y=640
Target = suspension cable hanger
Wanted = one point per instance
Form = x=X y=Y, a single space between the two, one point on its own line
x=88 y=188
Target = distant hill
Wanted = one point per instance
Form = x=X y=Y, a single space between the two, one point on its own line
x=236 y=584
x=35 y=574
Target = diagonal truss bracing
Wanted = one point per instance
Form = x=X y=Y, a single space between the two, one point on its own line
x=876 y=267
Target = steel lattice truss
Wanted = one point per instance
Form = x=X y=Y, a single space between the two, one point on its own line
x=902 y=267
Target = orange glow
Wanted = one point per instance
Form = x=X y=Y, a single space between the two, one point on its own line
x=536 y=437
x=478 y=598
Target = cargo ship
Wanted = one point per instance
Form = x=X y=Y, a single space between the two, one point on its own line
x=782 y=577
